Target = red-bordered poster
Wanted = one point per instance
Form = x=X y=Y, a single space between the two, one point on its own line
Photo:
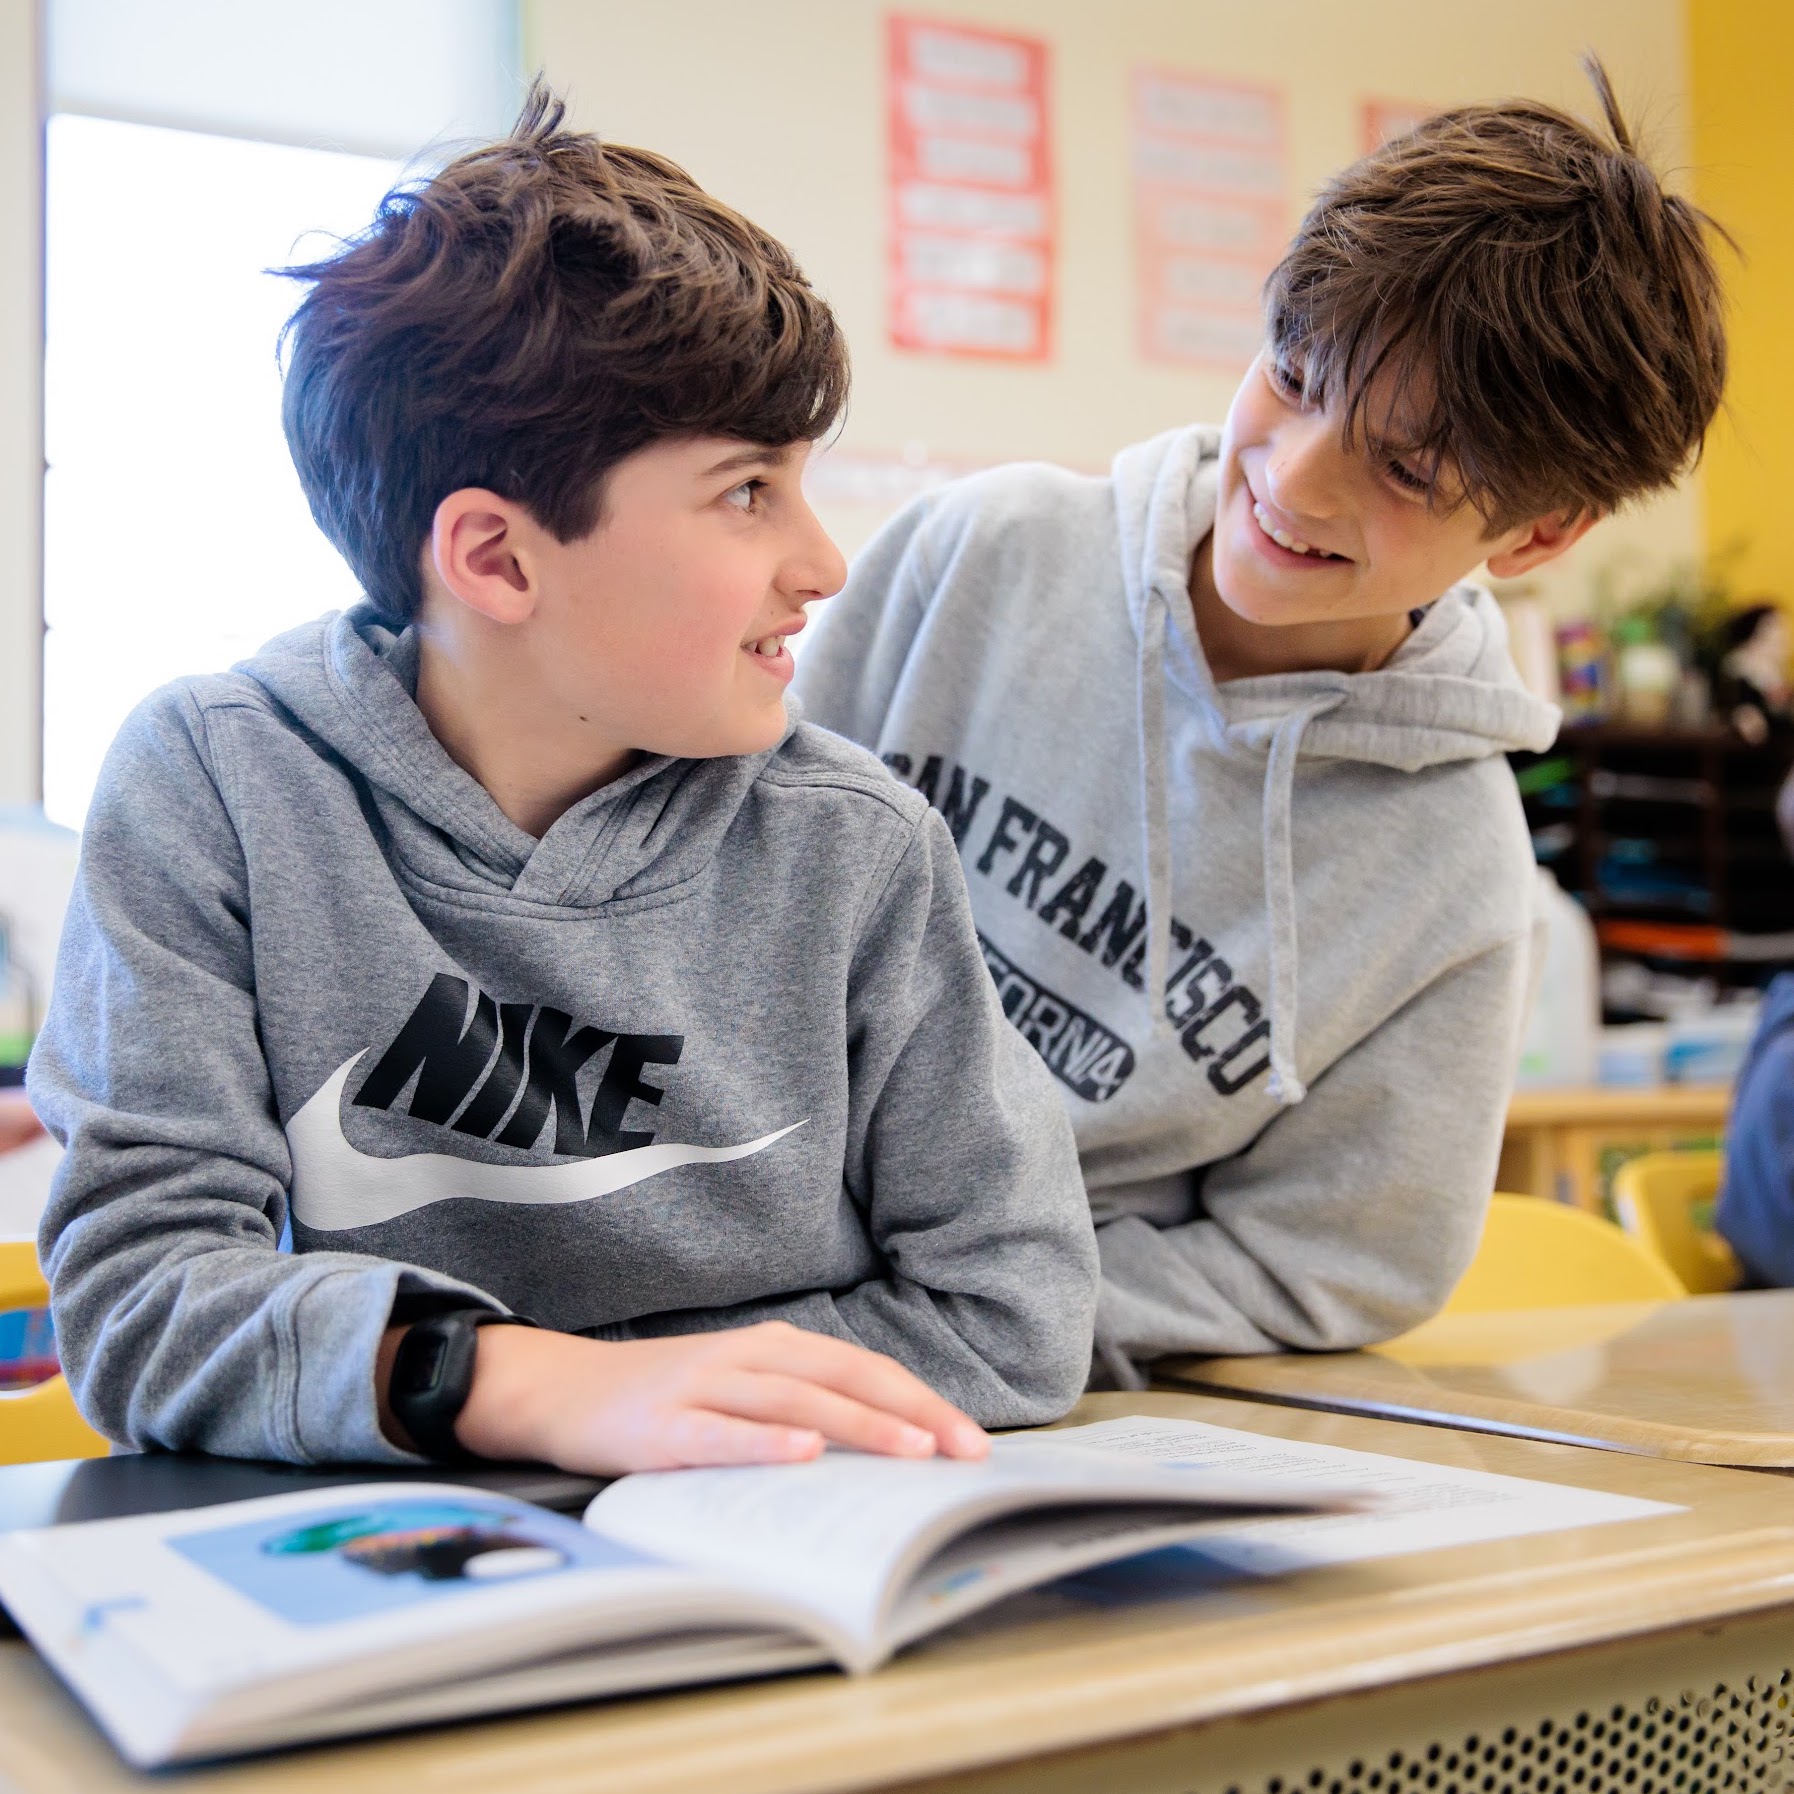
x=1384 y=119
x=971 y=191
x=1211 y=213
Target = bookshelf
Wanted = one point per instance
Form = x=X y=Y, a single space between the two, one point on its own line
x=1668 y=837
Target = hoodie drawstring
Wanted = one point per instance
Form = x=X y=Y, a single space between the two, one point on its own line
x=1155 y=815
x=1286 y=1084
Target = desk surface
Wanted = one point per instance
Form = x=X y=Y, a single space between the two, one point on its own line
x=1706 y=1380
x=1068 y=1676
x=1604 y=1105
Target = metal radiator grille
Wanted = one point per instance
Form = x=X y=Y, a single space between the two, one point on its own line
x=1726 y=1737
x=1705 y=1710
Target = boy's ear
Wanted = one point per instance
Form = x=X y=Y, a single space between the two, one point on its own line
x=480 y=548
x=1533 y=544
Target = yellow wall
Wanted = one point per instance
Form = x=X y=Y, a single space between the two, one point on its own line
x=1741 y=55
x=779 y=108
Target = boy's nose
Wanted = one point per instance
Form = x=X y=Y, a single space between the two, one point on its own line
x=818 y=569
x=1302 y=469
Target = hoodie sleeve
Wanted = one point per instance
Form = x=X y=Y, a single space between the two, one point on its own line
x=1353 y=1215
x=180 y=1322
x=961 y=1158
x=860 y=640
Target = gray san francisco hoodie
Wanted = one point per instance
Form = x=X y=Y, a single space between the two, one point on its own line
x=718 y=1047
x=1326 y=875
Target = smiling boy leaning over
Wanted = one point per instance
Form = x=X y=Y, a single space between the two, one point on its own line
x=1233 y=699
x=504 y=944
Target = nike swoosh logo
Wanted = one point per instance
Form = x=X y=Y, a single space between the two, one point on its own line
x=335 y=1186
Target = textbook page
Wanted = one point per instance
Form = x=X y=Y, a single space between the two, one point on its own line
x=1427 y=1506
x=858 y=1539
x=215 y=1626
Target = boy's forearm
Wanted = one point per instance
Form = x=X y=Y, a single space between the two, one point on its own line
x=1002 y=1367
x=968 y=1180
x=1011 y=1361
x=764 y=1393
x=518 y=1376
x=1356 y=1210
x=232 y=1360
x=1160 y=1296
x=182 y=1340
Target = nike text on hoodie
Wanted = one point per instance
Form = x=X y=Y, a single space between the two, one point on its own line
x=1272 y=1160
x=718 y=1048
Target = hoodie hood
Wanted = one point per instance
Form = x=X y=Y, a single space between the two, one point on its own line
x=350 y=679
x=1450 y=692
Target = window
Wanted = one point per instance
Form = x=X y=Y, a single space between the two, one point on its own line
x=176 y=539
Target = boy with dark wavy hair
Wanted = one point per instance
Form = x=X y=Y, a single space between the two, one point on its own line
x=1236 y=697
x=501 y=948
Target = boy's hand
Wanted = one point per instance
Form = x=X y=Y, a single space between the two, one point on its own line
x=766 y=1394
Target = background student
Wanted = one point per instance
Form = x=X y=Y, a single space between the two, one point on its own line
x=1221 y=736
x=1755 y=1214
x=504 y=945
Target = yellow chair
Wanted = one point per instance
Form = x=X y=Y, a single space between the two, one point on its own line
x=1540 y=1254
x=40 y=1422
x=1659 y=1197
x=1577 y=1280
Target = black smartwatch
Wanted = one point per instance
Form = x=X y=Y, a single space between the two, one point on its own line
x=432 y=1375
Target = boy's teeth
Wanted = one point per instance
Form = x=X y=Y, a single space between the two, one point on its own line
x=1282 y=538
x=768 y=646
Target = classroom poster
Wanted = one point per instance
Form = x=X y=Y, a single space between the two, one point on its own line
x=1211 y=213
x=1383 y=119
x=971 y=191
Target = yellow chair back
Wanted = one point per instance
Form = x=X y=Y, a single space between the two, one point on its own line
x=1660 y=1198
x=1541 y=1254
x=40 y=1422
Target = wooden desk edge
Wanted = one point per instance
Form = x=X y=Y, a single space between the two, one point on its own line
x=1279 y=1379
x=811 y=1735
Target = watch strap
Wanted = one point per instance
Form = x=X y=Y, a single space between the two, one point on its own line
x=432 y=1377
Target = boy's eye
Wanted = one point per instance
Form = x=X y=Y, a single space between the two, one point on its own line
x=1286 y=379
x=746 y=496
x=1407 y=478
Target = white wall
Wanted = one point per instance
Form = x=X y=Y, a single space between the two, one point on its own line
x=779 y=108
x=21 y=401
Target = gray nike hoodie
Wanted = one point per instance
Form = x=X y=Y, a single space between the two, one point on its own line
x=1327 y=876
x=331 y=1032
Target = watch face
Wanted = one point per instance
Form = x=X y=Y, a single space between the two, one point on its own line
x=431 y=1377
x=423 y=1365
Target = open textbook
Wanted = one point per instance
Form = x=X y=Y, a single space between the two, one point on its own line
x=238 y=1627
x=255 y=1623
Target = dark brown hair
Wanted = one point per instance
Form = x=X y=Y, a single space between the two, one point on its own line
x=1550 y=318
x=525 y=319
